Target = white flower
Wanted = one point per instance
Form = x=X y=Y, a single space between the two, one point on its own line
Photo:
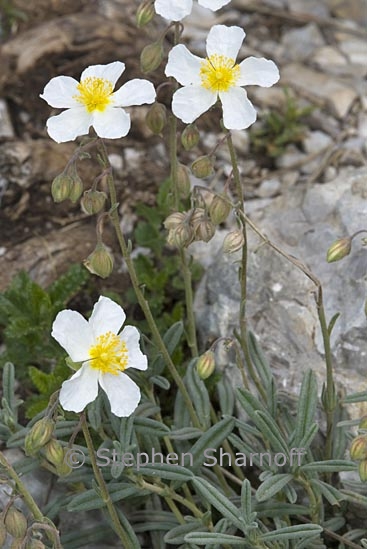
x=218 y=76
x=175 y=10
x=104 y=355
x=92 y=102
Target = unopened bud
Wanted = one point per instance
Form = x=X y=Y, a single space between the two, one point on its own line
x=358 y=448
x=15 y=523
x=183 y=180
x=156 y=118
x=60 y=188
x=339 y=249
x=203 y=167
x=205 y=365
x=174 y=220
x=233 y=242
x=100 y=261
x=181 y=236
x=63 y=469
x=3 y=533
x=76 y=189
x=17 y=543
x=219 y=209
x=54 y=452
x=363 y=423
x=38 y=436
x=362 y=469
x=36 y=544
x=151 y=57
x=93 y=201
x=190 y=137
x=144 y=13
x=205 y=230
x=197 y=216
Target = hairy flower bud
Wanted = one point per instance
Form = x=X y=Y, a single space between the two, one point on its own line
x=205 y=230
x=183 y=180
x=93 y=201
x=205 y=365
x=151 y=57
x=358 y=448
x=362 y=469
x=203 y=167
x=15 y=523
x=190 y=137
x=76 y=189
x=363 y=423
x=156 y=118
x=181 y=236
x=144 y=13
x=233 y=242
x=219 y=209
x=100 y=261
x=339 y=249
x=38 y=436
x=54 y=452
x=60 y=188
x=174 y=220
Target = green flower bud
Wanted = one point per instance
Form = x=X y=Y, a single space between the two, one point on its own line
x=15 y=523
x=145 y=13
x=363 y=423
x=205 y=365
x=63 y=469
x=203 y=166
x=190 y=137
x=205 y=230
x=183 y=180
x=174 y=220
x=358 y=449
x=219 y=209
x=233 y=242
x=362 y=469
x=100 y=261
x=339 y=249
x=181 y=236
x=60 y=188
x=156 y=118
x=93 y=201
x=3 y=533
x=76 y=189
x=54 y=452
x=151 y=57
x=38 y=436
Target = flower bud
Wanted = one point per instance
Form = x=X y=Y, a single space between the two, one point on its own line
x=363 y=423
x=183 y=180
x=54 y=452
x=339 y=249
x=151 y=57
x=219 y=209
x=156 y=118
x=205 y=365
x=203 y=167
x=233 y=242
x=76 y=189
x=100 y=261
x=17 y=543
x=362 y=469
x=144 y=13
x=3 y=533
x=197 y=216
x=358 y=448
x=63 y=469
x=190 y=137
x=61 y=186
x=181 y=236
x=38 y=436
x=205 y=230
x=36 y=544
x=15 y=523
x=93 y=201
x=174 y=220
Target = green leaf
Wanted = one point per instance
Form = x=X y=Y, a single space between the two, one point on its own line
x=8 y=385
x=307 y=404
x=89 y=499
x=147 y=426
x=166 y=471
x=246 y=503
x=356 y=397
x=177 y=534
x=292 y=532
x=259 y=361
x=210 y=440
x=132 y=540
x=226 y=396
x=271 y=486
x=185 y=433
x=199 y=394
x=329 y=466
x=173 y=335
x=330 y=493
x=209 y=538
x=270 y=431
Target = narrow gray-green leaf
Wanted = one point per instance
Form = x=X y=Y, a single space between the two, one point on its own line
x=166 y=471
x=176 y=535
x=306 y=406
x=271 y=486
x=212 y=538
x=8 y=385
x=329 y=466
x=211 y=440
x=185 y=433
x=173 y=335
x=226 y=396
x=292 y=532
x=148 y=426
x=199 y=394
x=330 y=493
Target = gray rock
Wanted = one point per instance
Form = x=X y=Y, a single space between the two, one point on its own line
x=301 y=42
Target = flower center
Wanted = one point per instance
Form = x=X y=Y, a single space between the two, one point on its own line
x=94 y=93
x=219 y=73
x=109 y=355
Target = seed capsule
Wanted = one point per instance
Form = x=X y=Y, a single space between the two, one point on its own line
x=219 y=209
x=151 y=57
x=203 y=167
x=339 y=249
x=233 y=242
x=190 y=137
x=358 y=449
x=100 y=261
x=144 y=13
x=38 y=436
x=60 y=188
x=93 y=201
x=15 y=523
x=156 y=118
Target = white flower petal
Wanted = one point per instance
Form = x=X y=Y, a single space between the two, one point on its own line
x=173 y=10
x=74 y=334
x=190 y=102
x=223 y=40
x=238 y=111
x=213 y=5
x=134 y=92
x=258 y=71
x=111 y=72
x=113 y=123
x=68 y=125
x=60 y=92
x=122 y=392
x=107 y=316
x=183 y=66
x=131 y=336
x=79 y=390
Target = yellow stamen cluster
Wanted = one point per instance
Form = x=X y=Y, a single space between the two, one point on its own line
x=109 y=355
x=94 y=93
x=219 y=73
